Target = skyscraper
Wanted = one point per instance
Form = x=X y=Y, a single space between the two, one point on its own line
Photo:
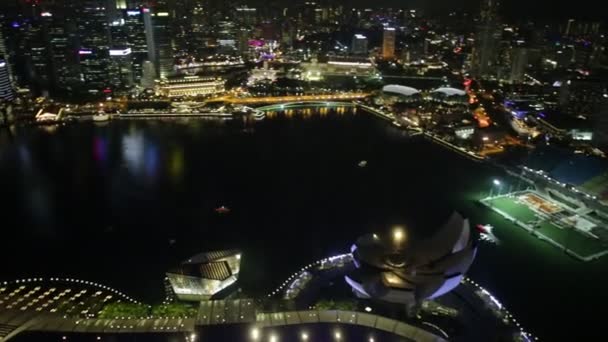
x=149 y=75
x=486 y=42
x=6 y=88
x=359 y=45
x=157 y=22
x=4 y=54
x=388 y=43
x=519 y=65
x=94 y=33
x=136 y=40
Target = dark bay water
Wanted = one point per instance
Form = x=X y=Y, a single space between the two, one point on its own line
x=103 y=203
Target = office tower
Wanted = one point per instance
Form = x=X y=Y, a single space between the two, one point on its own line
x=121 y=67
x=157 y=22
x=6 y=88
x=487 y=41
x=246 y=15
x=5 y=55
x=569 y=27
x=519 y=65
x=149 y=75
x=359 y=45
x=94 y=33
x=388 y=43
x=135 y=32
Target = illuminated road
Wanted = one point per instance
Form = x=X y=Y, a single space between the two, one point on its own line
x=280 y=99
x=283 y=106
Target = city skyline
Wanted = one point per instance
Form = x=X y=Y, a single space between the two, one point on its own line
x=286 y=171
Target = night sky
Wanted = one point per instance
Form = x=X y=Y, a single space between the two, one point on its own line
x=513 y=10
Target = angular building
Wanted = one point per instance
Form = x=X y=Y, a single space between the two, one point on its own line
x=205 y=275
x=401 y=269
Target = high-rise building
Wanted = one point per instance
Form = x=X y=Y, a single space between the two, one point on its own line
x=569 y=27
x=6 y=88
x=148 y=75
x=246 y=15
x=4 y=54
x=94 y=33
x=487 y=41
x=157 y=22
x=388 y=43
x=519 y=65
x=121 y=67
x=63 y=60
x=359 y=45
x=135 y=32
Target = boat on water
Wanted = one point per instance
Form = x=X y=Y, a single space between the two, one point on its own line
x=101 y=117
x=363 y=163
x=222 y=210
x=486 y=233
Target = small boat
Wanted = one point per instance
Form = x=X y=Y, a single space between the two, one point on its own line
x=363 y=163
x=101 y=117
x=486 y=233
x=222 y=210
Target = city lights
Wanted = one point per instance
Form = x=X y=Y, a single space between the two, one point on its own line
x=340 y=134
x=399 y=235
x=255 y=334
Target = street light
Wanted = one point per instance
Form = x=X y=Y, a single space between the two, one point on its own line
x=398 y=235
x=273 y=338
x=304 y=336
x=255 y=334
x=498 y=183
x=338 y=335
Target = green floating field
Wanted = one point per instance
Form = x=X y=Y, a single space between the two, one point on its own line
x=519 y=211
x=571 y=239
x=568 y=238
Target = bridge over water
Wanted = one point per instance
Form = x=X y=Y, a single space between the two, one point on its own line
x=212 y=313
x=289 y=98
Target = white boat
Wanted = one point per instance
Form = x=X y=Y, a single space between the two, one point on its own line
x=101 y=117
x=486 y=233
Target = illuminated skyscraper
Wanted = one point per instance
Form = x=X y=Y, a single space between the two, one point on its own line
x=94 y=33
x=157 y=22
x=486 y=42
x=520 y=63
x=388 y=43
x=359 y=45
x=6 y=88
x=148 y=75
x=135 y=33
x=4 y=54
